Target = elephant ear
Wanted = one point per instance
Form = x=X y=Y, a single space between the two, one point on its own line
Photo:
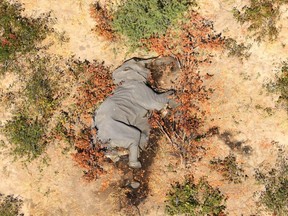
x=131 y=70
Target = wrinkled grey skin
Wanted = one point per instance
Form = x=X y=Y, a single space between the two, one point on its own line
x=122 y=119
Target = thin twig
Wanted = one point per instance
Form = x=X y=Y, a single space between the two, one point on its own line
x=171 y=141
x=138 y=210
x=165 y=133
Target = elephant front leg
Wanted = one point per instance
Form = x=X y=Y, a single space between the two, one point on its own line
x=133 y=156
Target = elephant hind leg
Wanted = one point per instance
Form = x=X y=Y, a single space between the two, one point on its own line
x=123 y=135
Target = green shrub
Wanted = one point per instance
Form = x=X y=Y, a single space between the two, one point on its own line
x=19 y=34
x=275 y=196
x=280 y=86
x=143 y=19
x=237 y=50
x=25 y=135
x=9 y=205
x=63 y=129
x=229 y=168
x=40 y=89
x=195 y=199
x=262 y=16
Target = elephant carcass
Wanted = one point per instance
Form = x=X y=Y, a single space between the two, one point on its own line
x=122 y=119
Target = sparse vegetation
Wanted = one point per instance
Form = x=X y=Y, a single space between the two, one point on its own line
x=18 y=34
x=63 y=129
x=25 y=135
x=238 y=50
x=10 y=205
x=138 y=20
x=262 y=16
x=280 y=85
x=143 y=19
x=267 y=110
x=229 y=168
x=40 y=90
x=198 y=199
x=275 y=196
x=27 y=130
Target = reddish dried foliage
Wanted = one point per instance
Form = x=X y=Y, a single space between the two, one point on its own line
x=193 y=33
x=8 y=41
x=103 y=20
x=183 y=124
x=4 y=42
x=95 y=85
x=88 y=158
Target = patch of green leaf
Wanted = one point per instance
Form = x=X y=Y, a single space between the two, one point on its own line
x=229 y=168
x=237 y=50
x=63 y=129
x=280 y=85
x=25 y=135
x=139 y=20
x=194 y=199
x=10 y=205
x=19 y=34
x=40 y=89
x=262 y=17
x=27 y=131
x=275 y=195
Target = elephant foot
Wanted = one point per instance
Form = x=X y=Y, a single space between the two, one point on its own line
x=135 y=165
x=135 y=184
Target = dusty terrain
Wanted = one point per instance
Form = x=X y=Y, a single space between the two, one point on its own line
x=237 y=106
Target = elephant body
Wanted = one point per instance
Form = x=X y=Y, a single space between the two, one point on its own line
x=122 y=119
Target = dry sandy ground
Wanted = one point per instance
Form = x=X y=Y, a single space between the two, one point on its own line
x=57 y=189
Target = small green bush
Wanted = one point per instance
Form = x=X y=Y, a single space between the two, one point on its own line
x=143 y=19
x=195 y=199
x=19 y=34
x=275 y=196
x=238 y=50
x=229 y=168
x=280 y=85
x=10 y=205
x=40 y=90
x=25 y=134
x=262 y=16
